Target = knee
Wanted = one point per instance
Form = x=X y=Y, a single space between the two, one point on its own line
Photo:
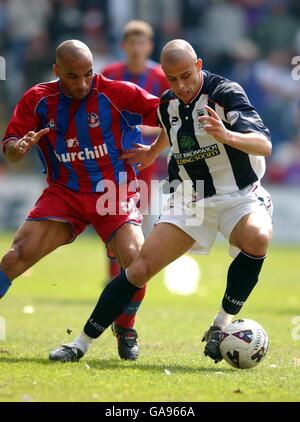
x=11 y=261
x=11 y=258
x=258 y=241
x=139 y=273
x=131 y=253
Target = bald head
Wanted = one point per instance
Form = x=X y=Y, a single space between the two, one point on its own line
x=182 y=69
x=71 y=50
x=74 y=68
x=177 y=50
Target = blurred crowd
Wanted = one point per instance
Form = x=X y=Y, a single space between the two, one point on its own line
x=250 y=41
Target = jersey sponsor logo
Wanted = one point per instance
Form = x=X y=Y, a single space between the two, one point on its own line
x=232 y=117
x=187 y=142
x=52 y=125
x=72 y=142
x=93 y=120
x=191 y=157
x=87 y=154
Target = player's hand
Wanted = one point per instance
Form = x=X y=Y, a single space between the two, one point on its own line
x=141 y=155
x=214 y=126
x=31 y=138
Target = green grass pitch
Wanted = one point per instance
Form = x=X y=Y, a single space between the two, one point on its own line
x=63 y=288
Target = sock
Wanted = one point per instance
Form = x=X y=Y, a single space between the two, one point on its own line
x=113 y=301
x=127 y=319
x=114 y=268
x=83 y=342
x=5 y=283
x=241 y=279
x=222 y=319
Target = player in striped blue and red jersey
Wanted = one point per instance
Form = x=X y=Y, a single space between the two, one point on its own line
x=80 y=123
x=137 y=67
x=137 y=45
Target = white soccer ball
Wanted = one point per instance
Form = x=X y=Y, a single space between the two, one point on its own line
x=244 y=344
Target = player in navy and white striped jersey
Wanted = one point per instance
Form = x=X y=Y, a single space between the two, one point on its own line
x=218 y=144
x=197 y=155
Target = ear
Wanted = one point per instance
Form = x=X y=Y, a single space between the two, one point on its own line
x=199 y=64
x=55 y=69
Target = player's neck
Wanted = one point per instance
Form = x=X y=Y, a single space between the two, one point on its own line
x=136 y=68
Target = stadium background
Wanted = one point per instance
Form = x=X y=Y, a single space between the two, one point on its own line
x=252 y=42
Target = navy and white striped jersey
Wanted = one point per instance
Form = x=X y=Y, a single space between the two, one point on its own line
x=196 y=155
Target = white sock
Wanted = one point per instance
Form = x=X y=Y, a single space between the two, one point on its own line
x=222 y=319
x=83 y=342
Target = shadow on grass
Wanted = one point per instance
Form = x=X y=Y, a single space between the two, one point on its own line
x=116 y=364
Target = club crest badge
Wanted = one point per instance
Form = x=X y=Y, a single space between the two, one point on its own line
x=93 y=120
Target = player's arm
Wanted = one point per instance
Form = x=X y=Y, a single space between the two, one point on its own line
x=16 y=149
x=19 y=136
x=150 y=130
x=251 y=143
x=145 y=155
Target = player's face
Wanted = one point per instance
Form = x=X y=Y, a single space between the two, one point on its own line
x=137 y=48
x=75 y=77
x=184 y=77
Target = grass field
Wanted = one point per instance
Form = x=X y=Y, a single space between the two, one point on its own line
x=63 y=288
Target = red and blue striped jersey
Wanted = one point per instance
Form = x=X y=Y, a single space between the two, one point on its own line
x=86 y=136
x=152 y=79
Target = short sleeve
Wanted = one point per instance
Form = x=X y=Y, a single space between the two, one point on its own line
x=239 y=113
x=23 y=119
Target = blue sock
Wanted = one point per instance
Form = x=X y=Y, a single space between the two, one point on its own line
x=5 y=283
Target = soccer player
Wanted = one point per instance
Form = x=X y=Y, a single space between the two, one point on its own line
x=218 y=144
x=137 y=45
x=80 y=123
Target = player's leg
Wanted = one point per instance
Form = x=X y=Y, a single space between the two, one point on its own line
x=251 y=234
x=144 y=178
x=126 y=245
x=165 y=243
x=155 y=254
x=33 y=240
x=123 y=236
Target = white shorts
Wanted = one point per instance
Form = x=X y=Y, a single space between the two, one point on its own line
x=203 y=219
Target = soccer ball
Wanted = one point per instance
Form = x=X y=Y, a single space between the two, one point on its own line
x=244 y=343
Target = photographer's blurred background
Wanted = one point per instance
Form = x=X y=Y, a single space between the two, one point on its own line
x=250 y=41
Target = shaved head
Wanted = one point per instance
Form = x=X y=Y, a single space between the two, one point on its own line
x=74 y=68
x=72 y=50
x=177 y=50
x=182 y=69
